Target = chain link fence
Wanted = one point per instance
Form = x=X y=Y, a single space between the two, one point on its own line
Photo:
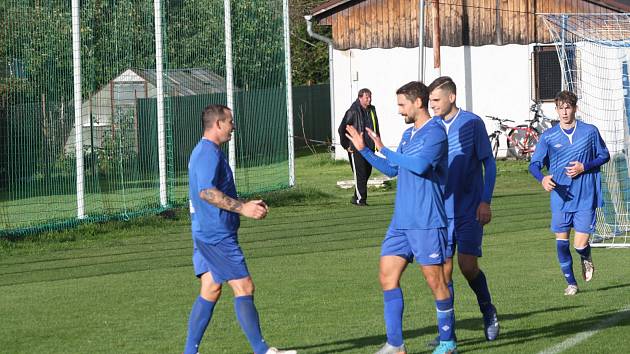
x=139 y=105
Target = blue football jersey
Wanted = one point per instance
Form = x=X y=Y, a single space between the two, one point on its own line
x=468 y=146
x=208 y=168
x=420 y=197
x=555 y=150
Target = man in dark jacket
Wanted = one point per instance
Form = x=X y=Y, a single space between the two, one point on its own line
x=360 y=115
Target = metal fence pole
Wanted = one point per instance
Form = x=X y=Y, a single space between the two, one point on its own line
x=289 y=88
x=229 y=81
x=78 y=119
x=159 y=83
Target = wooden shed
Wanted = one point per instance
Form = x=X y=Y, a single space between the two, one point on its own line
x=364 y=24
x=499 y=52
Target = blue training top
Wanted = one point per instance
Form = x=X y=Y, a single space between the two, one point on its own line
x=208 y=168
x=468 y=149
x=555 y=150
x=421 y=163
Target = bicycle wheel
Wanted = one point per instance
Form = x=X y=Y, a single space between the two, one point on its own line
x=522 y=142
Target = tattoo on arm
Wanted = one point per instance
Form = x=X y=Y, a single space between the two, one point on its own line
x=208 y=195
x=231 y=204
x=220 y=200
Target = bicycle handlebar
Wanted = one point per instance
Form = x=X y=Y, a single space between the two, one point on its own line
x=500 y=120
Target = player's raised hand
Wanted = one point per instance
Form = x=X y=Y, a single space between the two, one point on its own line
x=484 y=213
x=548 y=183
x=575 y=169
x=355 y=137
x=255 y=209
x=377 y=139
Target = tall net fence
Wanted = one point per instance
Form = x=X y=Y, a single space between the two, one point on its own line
x=121 y=117
x=594 y=52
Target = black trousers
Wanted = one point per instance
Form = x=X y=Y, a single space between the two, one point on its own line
x=362 y=171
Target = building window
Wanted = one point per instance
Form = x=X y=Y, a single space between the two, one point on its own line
x=547 y=73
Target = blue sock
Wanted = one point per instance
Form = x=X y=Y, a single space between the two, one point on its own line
x=565 y=260
x=394 y=306
x=200 y=316
x=480 y=286
x=445 y=319
x=250 y=324
x=451 y=290
x=585 y=253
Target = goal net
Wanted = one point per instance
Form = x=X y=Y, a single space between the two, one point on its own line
x=594 y=53
x=116 y=144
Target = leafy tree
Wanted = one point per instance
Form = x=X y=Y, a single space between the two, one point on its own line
x=309 y=57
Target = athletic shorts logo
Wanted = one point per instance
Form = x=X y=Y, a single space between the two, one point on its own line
x=434 y=255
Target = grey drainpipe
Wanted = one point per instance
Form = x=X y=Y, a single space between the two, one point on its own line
x=309 y=30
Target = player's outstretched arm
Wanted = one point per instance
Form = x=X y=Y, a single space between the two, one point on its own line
x=420 y=160
x=255 y=209
x=379 y=163
x=416 y=164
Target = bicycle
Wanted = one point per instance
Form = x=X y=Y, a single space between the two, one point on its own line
x=521 y=139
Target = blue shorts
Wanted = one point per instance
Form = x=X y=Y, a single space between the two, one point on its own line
x=428 y=246
x=465 y=234
x=224 y=260
x=582 y=221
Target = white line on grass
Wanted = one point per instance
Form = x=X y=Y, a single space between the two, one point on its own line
x=582 y=336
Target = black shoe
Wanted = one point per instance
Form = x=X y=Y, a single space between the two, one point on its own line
x=491 y=323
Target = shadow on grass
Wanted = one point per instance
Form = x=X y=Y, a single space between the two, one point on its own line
x=614 y=287
x=567 y=328
x=358 y=343
x=469 y=323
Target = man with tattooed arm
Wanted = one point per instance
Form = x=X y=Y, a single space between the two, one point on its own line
x=217 y=256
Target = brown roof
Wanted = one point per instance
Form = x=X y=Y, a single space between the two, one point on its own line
x=622 y=5
x=331 y=6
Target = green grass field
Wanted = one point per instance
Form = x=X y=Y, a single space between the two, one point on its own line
x=128 y=287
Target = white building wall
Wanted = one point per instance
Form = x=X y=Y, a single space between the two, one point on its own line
x=491 y=80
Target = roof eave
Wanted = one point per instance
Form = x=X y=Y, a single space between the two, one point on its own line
x=325 y=9
x=612 y=5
